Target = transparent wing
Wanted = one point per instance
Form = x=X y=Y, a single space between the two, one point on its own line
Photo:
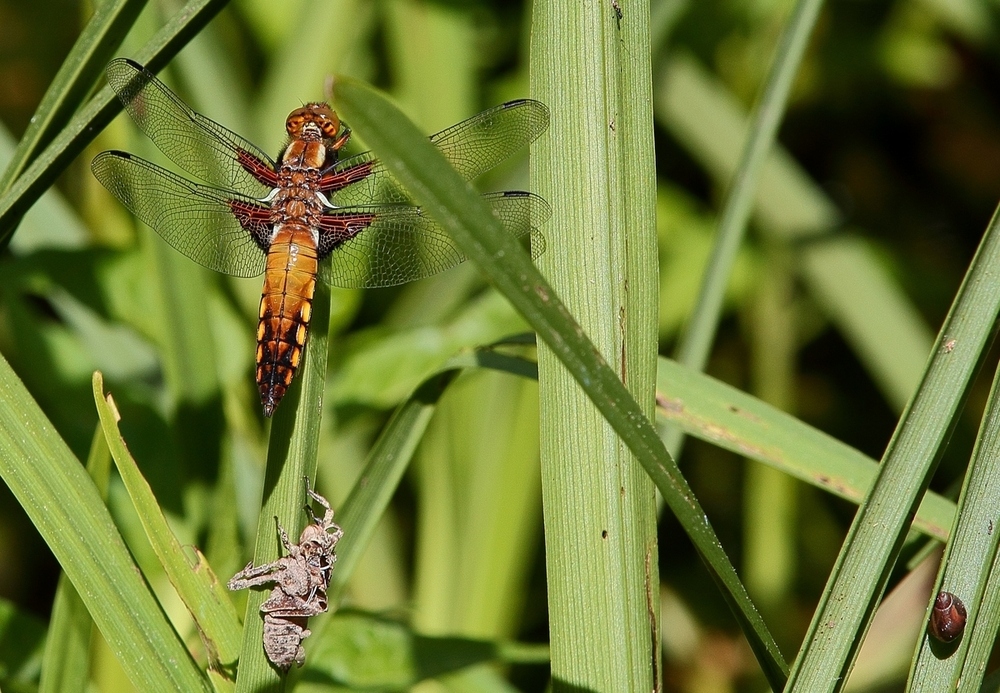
x=197 y=144
x=215 y=228
x=401 y=243
x=473 y=146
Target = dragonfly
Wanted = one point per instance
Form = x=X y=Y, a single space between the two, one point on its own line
x=307 y=215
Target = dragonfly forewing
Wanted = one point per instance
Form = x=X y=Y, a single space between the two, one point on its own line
x=197 y=144
x=215 y=228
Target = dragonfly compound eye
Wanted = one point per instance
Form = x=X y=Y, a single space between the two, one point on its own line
x=294 y=122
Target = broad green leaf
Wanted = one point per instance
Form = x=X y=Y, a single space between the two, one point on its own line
x=381 y=370
x=64 y=505
x=367 y=652
x=202 y=592
x=66 y=664
x=730 y=418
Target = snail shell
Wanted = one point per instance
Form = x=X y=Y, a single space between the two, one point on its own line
x=948 y=617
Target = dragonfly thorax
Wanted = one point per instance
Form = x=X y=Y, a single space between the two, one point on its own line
x=304 y=155
x=297 y=199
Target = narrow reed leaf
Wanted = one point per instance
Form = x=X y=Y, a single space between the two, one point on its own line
x=80 y=69
x=392 y=452
x=725 y=416
x=291 y=461
x=722 y=415
x=380 y=477
x=389 y=459
x=66 y=661
x=843 y=273
x=66 y=664
x=966 y=568
x=695 y=344
x=880 y=526
x=99 y=111
x=982 y=637
x=456 y=205
x=66 y=508
x=198 y=587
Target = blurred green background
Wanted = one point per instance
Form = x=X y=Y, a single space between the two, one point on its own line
x=892 y=139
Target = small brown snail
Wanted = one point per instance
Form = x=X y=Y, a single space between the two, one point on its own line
x=948 y=617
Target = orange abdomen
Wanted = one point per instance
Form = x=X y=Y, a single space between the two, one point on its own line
x=285 y=310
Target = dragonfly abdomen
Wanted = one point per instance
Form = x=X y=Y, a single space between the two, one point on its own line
x=285 y=310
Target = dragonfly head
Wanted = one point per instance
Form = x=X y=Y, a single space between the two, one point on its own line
x=313 y=121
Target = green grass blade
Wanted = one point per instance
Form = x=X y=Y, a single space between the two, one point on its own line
x=64 y=505
x=696 y=343
x=392 y=452
x=66 y=664
x=196 y=584
x=880 y=526
x=291 y=458
x=383 y=470
x=884 y=327
x=771 y=497
x=984 y=636
x=99 y=111
x=966 y=568
x=80 y=69
x=722 y=415
x=448 y=198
